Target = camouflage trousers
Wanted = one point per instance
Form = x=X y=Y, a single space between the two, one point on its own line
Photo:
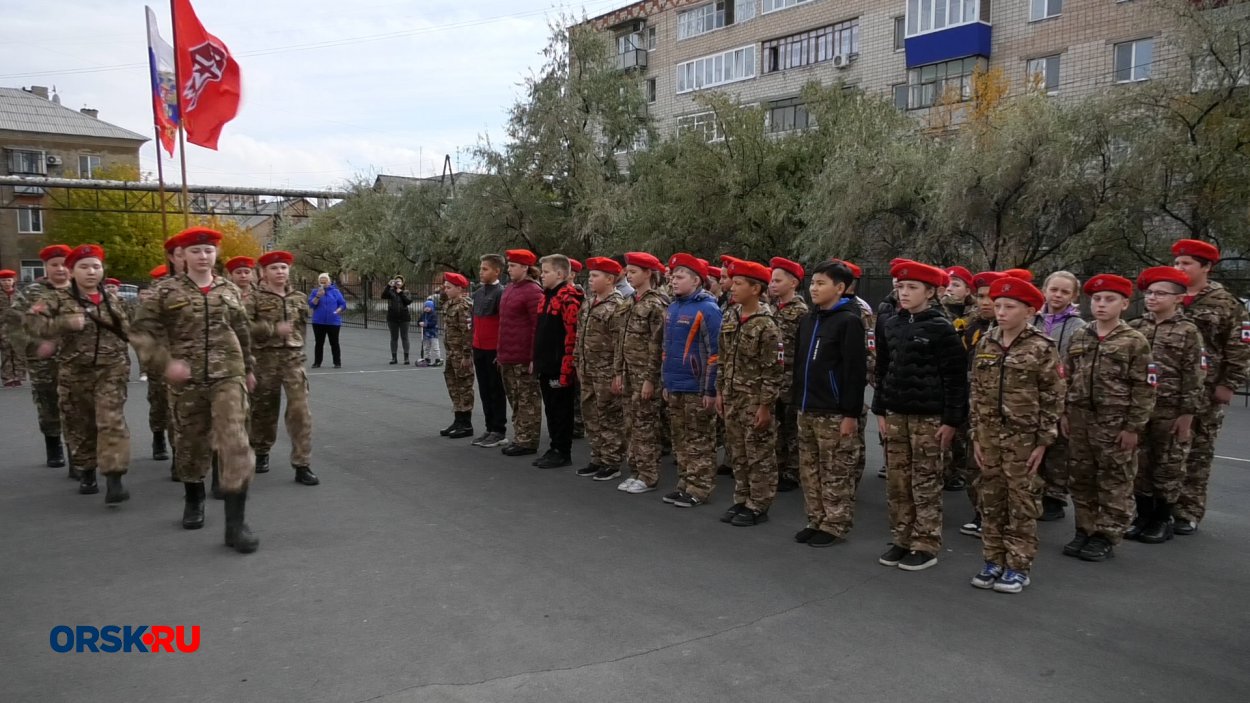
x=458 y=375
x=579 y=421
x=1100 y=474
x=694 y=443
x=279 y=371
x=1161 y=459
x=787 y=415
x=43 y=388
x=666 y=427
x=1192 y=504
x=212 y=417
x=642 y=432
x=827 y=465
x=526 y=400
x=754 y=454
x=12 y=364
x=914 y=481
x=93 y=407
x=158 y=402
x=861 y=463
x=1010 y=497
x=1054 y=469
x=604 y=419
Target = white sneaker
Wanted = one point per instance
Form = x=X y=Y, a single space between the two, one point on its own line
x=627 y=484
x=143 y=377
x=640 y=487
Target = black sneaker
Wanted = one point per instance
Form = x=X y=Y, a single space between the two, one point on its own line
x=1096 y=549
x=732 y=512
x=671 y=498
x=804 y=534
x=917 y=561
x=548 y=456
x=972 y=528
x=1184 y=527
x=881 y=472
x=892 y=556
x=1073 y=548
x=749 y=518
x=822 y=539
x=478 y=442
x=515 y=449
x=607 y=473
x=786 y=484
x=956 y=484
x=555 y=461
x=724 y=470
x=1052 y=509
x=589 y=470
x=688 y=501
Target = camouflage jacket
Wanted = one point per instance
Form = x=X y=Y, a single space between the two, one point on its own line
x=458 y=328
x=788 y=317
x=598 y=331
x=750 y=360
x=1180 y=371
x=103 y=339
x=21 y=336
x=209 y=331
x=1019 y=388
x=265 y=310
x=1111 y=376
x=9 y=316
x=870 y=337
x=640 y=346
x=1226 y=337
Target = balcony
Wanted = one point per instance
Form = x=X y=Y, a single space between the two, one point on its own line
x=957 y=42
x=632 y=60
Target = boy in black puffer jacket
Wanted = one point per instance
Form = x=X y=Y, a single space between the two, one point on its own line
x=920 y=402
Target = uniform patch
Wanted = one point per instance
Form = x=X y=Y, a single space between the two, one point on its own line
x=1206 y=361
x=872 y=340
x=1245 y=332
x=1152 y=374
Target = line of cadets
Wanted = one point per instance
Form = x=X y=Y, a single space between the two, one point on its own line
x=218 y=354
x=984 y=375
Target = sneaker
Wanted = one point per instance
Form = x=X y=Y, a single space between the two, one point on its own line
x=732 y=512
x=1096 y=549
x=640 y=487
x=1184 y=527
x=917 y=561
x=972 y=528
x=143 y=377
x=437 y=362
x=749 y=518
x=628 y=484
x=822 y=539
x=805 y=534
x=892 y=556
x=785 y=484
x=671 y=498
x=987 y=576
x=514 y=449
x=956 y=484
x=1073 y=548
x=1011 y=581
x=688 y=501
x=554 y=461
x=607 y=473
x=881 y=472
x=549 y=455
x=491 y=439
x=724 y=470
x=589 y=470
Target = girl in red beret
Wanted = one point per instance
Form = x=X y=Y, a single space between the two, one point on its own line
x=1058 y=319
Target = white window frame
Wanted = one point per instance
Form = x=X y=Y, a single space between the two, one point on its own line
x=922 y=15
x=93 y=161
x=709 y=17
x=920 y=86
x=1138 y=70
x=32 y=270
x=900 y=33
x=1044 y=9
x=812 y=47
x=701 y=121
x=40 y=163
x=710 y=71
x=33 y=223
x=1041 y=65
x=779 y=5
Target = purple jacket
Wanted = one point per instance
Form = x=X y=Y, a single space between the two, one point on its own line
x=518 y=317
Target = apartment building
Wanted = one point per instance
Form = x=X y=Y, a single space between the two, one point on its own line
x=917 y=52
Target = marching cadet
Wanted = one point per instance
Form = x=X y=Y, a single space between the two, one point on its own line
x=1180 y=395
x=1226 y=337
x=1111 y=393
x=748 y=380
x=12 y=361
x=691 y=333
x=975 y=324
x=1017 y=398
x=789 y=308
x=827 y=388
x=197 y=329
x=113 y=286
x=921 y=401
x=158 y=395
x=279 y=321
x=1059 y=320
x=458 y=373
x=86 y=329
x=598 y=332
x=636 y=364
x=518 y=319
x=242 y=270
x=43 y=370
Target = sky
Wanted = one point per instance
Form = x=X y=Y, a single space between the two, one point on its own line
x=331 y=90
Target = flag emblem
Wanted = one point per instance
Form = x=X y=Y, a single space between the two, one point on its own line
x=208 y=64
x=1152 y=374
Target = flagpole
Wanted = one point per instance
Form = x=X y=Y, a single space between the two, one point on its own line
x=160 y=181
x=182 y=115
x=156 y=126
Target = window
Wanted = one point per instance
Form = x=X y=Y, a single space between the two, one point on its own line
x=930 y=84
x=900 y=32
x=931 y=15
x=787 y=116
x=650 y=36
x=713 y=16
x=29 y=220
x=27 y=162
x=774 y=5
x=32 y=269
x=650 y=90
x=704 y=125
x=900 y=95
x=87 y=165
x=811 y=47
x=1043 y=74
x=1133 y=60
x=718 y=69
x=1041 y=9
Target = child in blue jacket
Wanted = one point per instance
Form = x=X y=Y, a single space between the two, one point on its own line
x=429 y=336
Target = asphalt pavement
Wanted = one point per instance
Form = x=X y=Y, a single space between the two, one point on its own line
x=424 y=569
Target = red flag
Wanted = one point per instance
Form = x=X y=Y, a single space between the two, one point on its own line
x=208 y=78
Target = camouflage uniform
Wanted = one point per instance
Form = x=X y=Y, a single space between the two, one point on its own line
x=209 y=332
x=788 y=317
x=1016 y=400
x=870 y=342
x=42 y=372
x=1220 y=317
x=280 y=367
x=1109 y=391
x=525 y=397
x=458 y=338
x=749 y=377
x=12 y=358
x=93 y=367
x=598 y=332
x=972 y=329
x=639 y=352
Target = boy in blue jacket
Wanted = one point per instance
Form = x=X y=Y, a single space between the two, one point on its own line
x=429 y=336
x=691 y=332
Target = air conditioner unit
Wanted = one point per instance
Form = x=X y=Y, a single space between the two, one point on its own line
x=841 y=61
x=54 y=160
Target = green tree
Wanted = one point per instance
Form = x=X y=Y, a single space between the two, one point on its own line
x=133 y=242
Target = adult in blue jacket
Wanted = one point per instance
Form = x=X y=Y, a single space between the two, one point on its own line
x=327 y=305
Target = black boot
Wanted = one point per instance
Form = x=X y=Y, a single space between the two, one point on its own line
x=405 y=360
x=193 y=509
x=216 y=480
x=74 y=473
x=86 y=482
x=262 y=463
x=455 y=424
x=159 y=452
x=115 y=492
x=394 y=361
x=56 y=452
x=1145 y=510
x=304 y=475
x=1159 y=529
x=238 y=534
x=463 y=427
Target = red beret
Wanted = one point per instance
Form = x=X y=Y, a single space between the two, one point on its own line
x=276 y=256
x=1197 y=249
x=575 y=265
x=726 y=259
x=193 y=237
x=84 y=251
x=643 y=260
x=8 y=273
x=714 y=272
x=159 y=272
x=1108 y=282
x=916 y=271
x=896 y=262
x=240 y=262
x=946 y=278
x=1160 y=274
x=1017 y=289
x=750 y=269
x=1022 y=274
x=54 y=251
x=525 y=257
x=112 y=282
x=856 y=271
x=699 y=266
x=985 y=279
x=961 y=273
x=790 y=267
x=604 y=264
x=456 y=279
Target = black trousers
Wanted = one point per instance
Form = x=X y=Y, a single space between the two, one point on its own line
x=490 y=388
x=558 y=405
x=320 y=332
x=399 y=331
